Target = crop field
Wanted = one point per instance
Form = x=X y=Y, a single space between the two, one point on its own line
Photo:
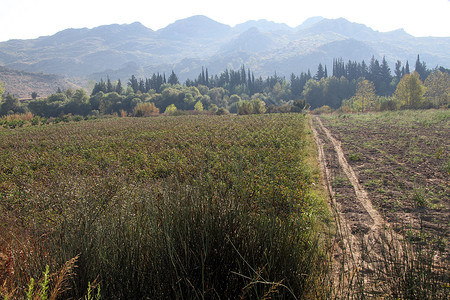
x=227 y=207
x=403 y=161
x=164 y=207
x=388 y=174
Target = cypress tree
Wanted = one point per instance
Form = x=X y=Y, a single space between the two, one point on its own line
x=119 y=88
x=109 y=86
x=398 y=70
x=320 y=72
x=421 y=69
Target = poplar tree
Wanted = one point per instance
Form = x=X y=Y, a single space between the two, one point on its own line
x=2 y=90
x=437 y=87
x=410 y=91
x=364 y=99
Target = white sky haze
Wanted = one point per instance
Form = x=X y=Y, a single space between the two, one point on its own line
x=24 y=19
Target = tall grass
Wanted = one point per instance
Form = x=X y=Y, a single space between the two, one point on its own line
x=185 y=207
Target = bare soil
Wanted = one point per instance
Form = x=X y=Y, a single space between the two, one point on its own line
x=382 y=175
x=404 y=167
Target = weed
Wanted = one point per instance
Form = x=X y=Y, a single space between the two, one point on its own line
x=419 y=198
x=355 y=157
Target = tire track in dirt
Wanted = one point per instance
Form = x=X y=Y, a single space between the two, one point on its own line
x=349 y=242
x=352 y=246
x=361 y=193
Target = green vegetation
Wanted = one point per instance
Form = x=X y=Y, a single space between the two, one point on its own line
x=353 y=87
x=167 y=207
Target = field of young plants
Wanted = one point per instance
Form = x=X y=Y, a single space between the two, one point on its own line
x=389 y=175
x=163 y=207
x=403 y=160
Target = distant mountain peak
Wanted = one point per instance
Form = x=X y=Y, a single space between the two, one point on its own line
x=197 y=26
x=344 y=28
x=399 y=33
x=309 y=22
x=262 y=25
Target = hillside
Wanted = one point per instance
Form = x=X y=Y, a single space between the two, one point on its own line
x=187 y=45
x=22 y=84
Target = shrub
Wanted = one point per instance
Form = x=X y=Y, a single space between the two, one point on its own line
x=145 y=110
x=322 y=110
x=170 y=110
x=198 y=106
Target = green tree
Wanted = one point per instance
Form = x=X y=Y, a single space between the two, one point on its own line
x=335 y=90
x=398 y=70
x=11 y=105
x=173 y=79
x=385 y=79
x=119 y=88
x=217 y=96
x=364 y=99
x=171 y=109
x=437 y=87
x=111 y=103
x=313 y=93
x=109 y=85
x=133 y=83
x=258 y=106
x=145 y=110
x=198 y=106
x=188 y=102
x=233 y=99
x=58 y=97
x=78 y=104
x=244 y=107
x=213 y=108
x=410 y=91
x=2 y=90
x=320 y=72
x=421 y=68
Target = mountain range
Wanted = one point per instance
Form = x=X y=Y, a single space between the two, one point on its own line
x=118 y=51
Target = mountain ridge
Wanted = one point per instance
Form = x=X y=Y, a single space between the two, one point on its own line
x=188 y=44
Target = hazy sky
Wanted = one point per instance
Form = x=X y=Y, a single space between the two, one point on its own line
x=33 y=18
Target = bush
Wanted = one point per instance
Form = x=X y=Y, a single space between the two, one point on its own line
x=322 y=110
x=145 y=110
x=222 y=111
x=171 y=110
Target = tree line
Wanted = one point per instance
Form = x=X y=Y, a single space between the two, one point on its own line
x=352 y=86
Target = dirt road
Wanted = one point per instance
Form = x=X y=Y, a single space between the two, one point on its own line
x=359 y=226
